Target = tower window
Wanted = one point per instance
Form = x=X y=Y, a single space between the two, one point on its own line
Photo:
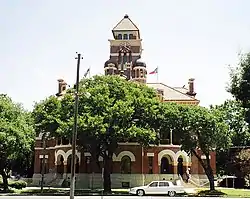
x=125 y=36
x=119 y=36
x=137 y=73
x=125 y=58
x=141 y=73
x=131 y=36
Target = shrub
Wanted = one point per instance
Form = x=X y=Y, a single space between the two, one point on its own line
x=18 y=184
x=210 y=193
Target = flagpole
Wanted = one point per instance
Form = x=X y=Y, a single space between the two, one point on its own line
x=89 y=72
x=157 y=74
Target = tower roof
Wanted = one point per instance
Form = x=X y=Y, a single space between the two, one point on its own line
x=125 y=24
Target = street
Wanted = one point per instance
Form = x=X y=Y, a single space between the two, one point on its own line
x=101 y=197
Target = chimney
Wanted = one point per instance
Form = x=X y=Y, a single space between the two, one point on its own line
x=61 y=87
x=191 y=87
x=160 y=94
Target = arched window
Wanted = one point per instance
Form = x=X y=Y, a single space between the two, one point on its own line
x=125 y=36
x=126 y=165
x=119 y=36
x=164 y=165
x=130 y=36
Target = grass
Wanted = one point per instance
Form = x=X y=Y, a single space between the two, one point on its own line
x=201 y=192
x=66 y=192
x=224 y=192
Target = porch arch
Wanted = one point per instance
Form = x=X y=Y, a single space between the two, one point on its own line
x=166 y=152
x=125 y=153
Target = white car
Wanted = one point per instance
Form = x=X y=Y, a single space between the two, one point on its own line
x=158 y=188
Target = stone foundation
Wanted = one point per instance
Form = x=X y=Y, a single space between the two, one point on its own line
x=95 y=181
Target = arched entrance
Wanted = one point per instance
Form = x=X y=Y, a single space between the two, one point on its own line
x=69 y=164
x=60 y=165
x=166 y=166
x=125 y=165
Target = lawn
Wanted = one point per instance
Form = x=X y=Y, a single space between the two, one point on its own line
x=225 y=192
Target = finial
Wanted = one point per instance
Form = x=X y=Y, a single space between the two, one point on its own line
x=126 y=16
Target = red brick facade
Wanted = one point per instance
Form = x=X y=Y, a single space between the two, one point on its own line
x=129 y=158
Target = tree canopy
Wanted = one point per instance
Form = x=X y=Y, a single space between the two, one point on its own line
x=202 y=131
x=16 y=135
x=239 y=85
x=111 y=110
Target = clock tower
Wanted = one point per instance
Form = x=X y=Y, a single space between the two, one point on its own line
x=125 y=52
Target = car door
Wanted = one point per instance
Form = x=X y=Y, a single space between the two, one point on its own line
x=152 y=188
x=163 y=187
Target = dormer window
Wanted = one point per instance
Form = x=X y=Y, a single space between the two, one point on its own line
x=119 y=37
x=125 y=36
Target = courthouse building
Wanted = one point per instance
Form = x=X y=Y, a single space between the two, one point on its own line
x=132 y=164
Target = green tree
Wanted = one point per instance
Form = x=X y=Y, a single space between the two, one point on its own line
x=239 y=85
x=233 y=114
x=242 y=163
x=202 y=131
x=16 y=135
x=111 y=110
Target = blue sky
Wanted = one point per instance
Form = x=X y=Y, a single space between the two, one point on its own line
x=194 y=38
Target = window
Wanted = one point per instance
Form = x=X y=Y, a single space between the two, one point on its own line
x=65 y=141
x=125 y=58
x=119 y=36
x=137 y=73
x=45 y=165
x=150 y=165
x=163 y=184
x=154 y=184
x=141 y=73
x=126 y=165
x=131 y=36
x=125 y=36
x=119 y=58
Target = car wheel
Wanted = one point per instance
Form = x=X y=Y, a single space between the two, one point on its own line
x=171 y=193
x=140 y=192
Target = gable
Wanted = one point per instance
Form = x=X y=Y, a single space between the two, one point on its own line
x=170 y=93
x=125 y=24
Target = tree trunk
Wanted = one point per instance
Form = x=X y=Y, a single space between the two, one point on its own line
x=207 y=168
x=106 y=174
x=5 y=181
x=210 y=175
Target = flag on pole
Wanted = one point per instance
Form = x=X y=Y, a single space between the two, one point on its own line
x=86 y=73
x=155 y=71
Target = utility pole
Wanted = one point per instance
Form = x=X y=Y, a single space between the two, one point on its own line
x=74 y=136
x=44 y=159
